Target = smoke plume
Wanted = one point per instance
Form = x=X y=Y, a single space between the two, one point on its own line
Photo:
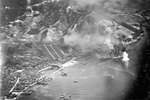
x=94 y=36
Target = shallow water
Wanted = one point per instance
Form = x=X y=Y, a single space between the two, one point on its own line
x=94 y=81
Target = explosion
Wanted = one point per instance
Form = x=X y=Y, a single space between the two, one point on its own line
x=92 y=35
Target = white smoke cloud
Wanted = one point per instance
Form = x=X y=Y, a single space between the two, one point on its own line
x=83 y=3
x=93 y=36
x=85 y=41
